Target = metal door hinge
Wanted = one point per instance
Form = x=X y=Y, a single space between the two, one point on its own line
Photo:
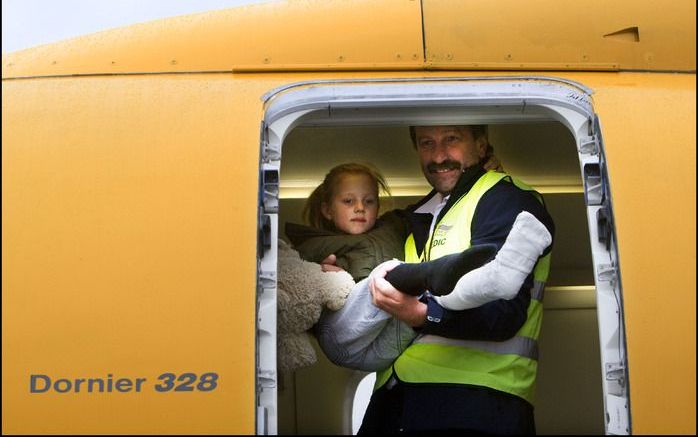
x=589 y=145
x=270 y=152
x=267 y=378
x=593 y=184
x=606 y=273
x=270 y=188
x=267 y=279
x=604 y=226
x=615 y=372
x=263 y=233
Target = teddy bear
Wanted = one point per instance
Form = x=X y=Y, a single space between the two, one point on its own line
x=303 y=290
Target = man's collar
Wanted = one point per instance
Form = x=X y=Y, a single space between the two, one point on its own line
x=465 y=183
x=467 y=179
x=430 y=205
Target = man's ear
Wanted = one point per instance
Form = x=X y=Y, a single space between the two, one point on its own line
x=325 y=210
x=481 y=144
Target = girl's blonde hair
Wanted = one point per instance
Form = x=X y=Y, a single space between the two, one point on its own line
x=312 y=211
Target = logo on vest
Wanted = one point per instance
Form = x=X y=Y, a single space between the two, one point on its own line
x=439 y=242
x=442 y=229
x=440 y=235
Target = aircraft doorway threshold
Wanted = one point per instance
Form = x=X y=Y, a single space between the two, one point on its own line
x=302 y=113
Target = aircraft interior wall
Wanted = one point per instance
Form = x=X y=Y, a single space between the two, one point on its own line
x=569 y=398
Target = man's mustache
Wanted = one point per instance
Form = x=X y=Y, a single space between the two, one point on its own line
x=446 y=165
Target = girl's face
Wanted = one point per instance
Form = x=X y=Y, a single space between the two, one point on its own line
x=354 y=207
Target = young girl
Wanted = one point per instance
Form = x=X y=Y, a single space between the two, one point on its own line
x=343 y=214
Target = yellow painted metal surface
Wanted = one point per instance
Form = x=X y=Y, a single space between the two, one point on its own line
x=385 y=35
x=126 y=251
x=648 y=123
x=560 y=35
x=125 y=248
x=316 y=34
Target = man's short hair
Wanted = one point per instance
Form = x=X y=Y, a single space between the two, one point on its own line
x=477 y=130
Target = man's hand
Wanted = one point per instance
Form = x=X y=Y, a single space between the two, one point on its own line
x=329 y=264
x=386 y=297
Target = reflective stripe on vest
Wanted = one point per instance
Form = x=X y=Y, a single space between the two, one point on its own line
x=517 y=345
x=509 y=366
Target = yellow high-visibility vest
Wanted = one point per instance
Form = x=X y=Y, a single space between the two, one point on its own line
x=509 y=366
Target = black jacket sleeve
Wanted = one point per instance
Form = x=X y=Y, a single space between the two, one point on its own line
x=501 y=319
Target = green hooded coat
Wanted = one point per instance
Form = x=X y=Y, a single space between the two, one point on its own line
x=357 y=254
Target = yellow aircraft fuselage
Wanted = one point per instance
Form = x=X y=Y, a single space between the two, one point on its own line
x=130 y=193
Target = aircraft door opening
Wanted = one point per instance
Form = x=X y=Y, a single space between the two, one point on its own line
x=545 y=131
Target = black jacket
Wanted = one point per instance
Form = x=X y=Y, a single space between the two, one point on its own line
x=493 y=218
x=425 y=407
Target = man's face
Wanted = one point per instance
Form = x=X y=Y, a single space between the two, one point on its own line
x=445 y=151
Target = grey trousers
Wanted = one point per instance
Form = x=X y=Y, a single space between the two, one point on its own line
x=360 y=335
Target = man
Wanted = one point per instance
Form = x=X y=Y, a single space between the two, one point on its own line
x=472 y=370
